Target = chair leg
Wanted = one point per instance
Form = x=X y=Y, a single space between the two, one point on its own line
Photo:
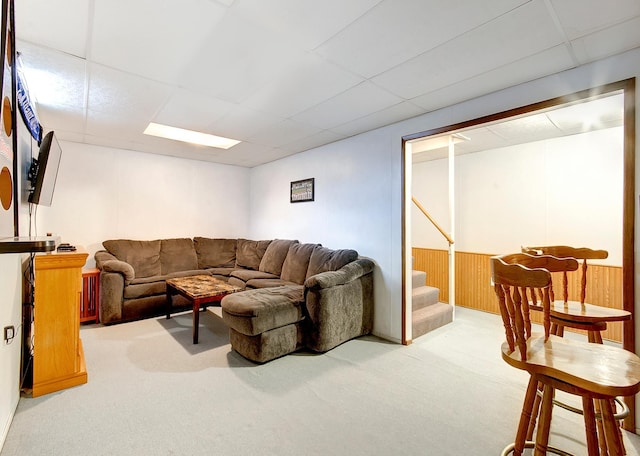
x=590 y=426
x=542 y=436
x=525 y=416
x=612 y=434
x=535 y=411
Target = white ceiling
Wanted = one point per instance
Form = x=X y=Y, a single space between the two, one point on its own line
x=284 y=76
x=572 y=118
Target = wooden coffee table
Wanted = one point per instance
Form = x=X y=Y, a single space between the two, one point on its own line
x=200 y=289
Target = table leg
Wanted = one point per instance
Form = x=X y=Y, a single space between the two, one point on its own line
x=169 y=290
x=196 y=320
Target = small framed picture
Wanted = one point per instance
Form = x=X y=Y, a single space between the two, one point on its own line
x=302 y=190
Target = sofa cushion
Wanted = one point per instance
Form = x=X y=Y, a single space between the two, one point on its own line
x=267 y=283
x=248 y=274
x=274 y=256
x=215 y=253
x=253 y=312
x=296 y=263
x=177 y=255
x=226 y=272
x=250 y=253
x=324 y=259
x=143 y=256
x=142 y=290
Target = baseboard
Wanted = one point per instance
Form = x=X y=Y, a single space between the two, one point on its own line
x=5 y=430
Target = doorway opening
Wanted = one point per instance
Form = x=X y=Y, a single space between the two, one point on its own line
x=529 y=130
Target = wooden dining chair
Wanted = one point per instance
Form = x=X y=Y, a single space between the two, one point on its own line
x=597 y=373
x=578 y=314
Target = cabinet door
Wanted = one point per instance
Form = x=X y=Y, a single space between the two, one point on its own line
x=58 y=289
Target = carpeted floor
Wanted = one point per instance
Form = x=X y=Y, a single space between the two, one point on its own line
x=151 y=392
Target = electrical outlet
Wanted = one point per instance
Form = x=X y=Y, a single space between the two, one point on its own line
x=9 y=333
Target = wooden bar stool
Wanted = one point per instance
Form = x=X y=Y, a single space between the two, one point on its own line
x=596 y=373
x=578 y=314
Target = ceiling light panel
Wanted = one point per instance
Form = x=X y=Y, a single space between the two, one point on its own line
x=189 y=136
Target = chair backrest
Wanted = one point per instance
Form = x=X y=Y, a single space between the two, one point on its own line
x=548 y=262
x=511 y=280
x=579 y=253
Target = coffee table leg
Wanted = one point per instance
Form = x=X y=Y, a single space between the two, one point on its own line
x=196 y=320
x=169 y=289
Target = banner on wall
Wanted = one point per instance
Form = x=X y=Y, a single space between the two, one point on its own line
x=27 y=108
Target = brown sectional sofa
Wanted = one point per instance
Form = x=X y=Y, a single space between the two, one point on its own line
x=295 y=295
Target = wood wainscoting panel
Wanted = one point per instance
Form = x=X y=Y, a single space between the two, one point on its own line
x=473 y=283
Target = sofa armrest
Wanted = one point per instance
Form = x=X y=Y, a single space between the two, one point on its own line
x=344 y=275
x=339 y=305
x=101 y=256
x=120 y=267
x=111 y=296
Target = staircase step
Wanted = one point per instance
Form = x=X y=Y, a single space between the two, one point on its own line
x=424 y=296
x=430 y=318
x=418 y=278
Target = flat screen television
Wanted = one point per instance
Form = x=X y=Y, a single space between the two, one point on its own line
x=44 y=171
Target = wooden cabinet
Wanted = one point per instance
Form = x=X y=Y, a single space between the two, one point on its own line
x=58 y=359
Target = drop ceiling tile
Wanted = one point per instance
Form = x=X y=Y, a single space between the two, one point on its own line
x=113 y=124
x=394 y=32
x=54 y=78
x=284 y=132
x=116 y=92
x=313 y=141
x=301 y=21
x=522 y=32
x=352 y=104
x=608 y=111
x=60 y=27
x=69 y=119
x=584 y=17
x=157 y=47
x=601 y=44
x=192 y=110
x=528 y=68
x=241 y=123
x=396 y=113
x=237 y=58
x=304 y=84
x=525 y=129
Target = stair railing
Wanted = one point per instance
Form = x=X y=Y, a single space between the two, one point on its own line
x=452 y=253
x=431 y=219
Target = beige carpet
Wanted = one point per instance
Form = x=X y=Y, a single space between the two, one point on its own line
x=151 y=392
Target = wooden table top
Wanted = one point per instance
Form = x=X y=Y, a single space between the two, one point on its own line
x=201 y=286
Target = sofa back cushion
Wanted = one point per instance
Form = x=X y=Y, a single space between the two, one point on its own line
x=274 y=256
x=294 y=268
x=250 y=253
x=143 y=256
x=177 y=255
x=215 y=253
x=324 y=259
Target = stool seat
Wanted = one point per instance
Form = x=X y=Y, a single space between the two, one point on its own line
x=595 y=372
